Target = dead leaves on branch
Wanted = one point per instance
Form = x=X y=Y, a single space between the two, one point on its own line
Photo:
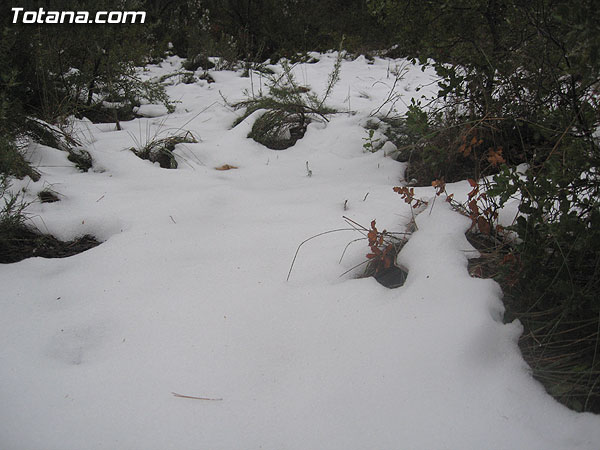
x=482 y=210
x=383 y=252
x=479 y=207
x=408 y=195
x=471 y=142
x=469 y=145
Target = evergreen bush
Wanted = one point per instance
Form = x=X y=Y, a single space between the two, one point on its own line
x=289 y=108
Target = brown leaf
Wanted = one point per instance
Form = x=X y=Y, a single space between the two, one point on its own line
x=495 y=157
x=465 y=150
x=439 y=185
x=226 y=167
x=474 y=208
x=372 y=236
x=484 y=225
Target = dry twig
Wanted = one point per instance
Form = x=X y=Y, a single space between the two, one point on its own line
x=196 y=398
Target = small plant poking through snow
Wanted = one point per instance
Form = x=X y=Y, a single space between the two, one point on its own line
x=370 y=144
x=380 y=260
x=289 y=108
x=382 y=253
x=393 y=97
x=161 y=150
x=384 y=247
x=81 y=158
x=480 y=207
x=12 y=214
x=47 y=195
x=19 y=241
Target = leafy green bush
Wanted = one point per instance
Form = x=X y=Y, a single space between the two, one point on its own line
x=520 y=84
x=559 y=230
x=445 y=144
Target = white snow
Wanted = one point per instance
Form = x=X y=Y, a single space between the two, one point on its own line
x=188 y=294
x=150 y=110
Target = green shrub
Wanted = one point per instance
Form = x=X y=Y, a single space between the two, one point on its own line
x=559 y=231
x=446 y=144
x=519 y=84
x=289 y=108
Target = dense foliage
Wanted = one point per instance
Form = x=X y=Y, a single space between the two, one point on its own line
x=52 y=71
x=520 y=84
x=262 y=29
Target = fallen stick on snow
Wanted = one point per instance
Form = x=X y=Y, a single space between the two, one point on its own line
x=196 y=398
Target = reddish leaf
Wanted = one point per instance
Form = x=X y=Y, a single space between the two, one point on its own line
x=439 y=185
x=495 y=157
x=473 y=208
x=484 y=225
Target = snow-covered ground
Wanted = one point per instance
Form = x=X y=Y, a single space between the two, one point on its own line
x=188 y=295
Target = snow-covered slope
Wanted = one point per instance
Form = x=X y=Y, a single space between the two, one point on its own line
x=188 y=295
